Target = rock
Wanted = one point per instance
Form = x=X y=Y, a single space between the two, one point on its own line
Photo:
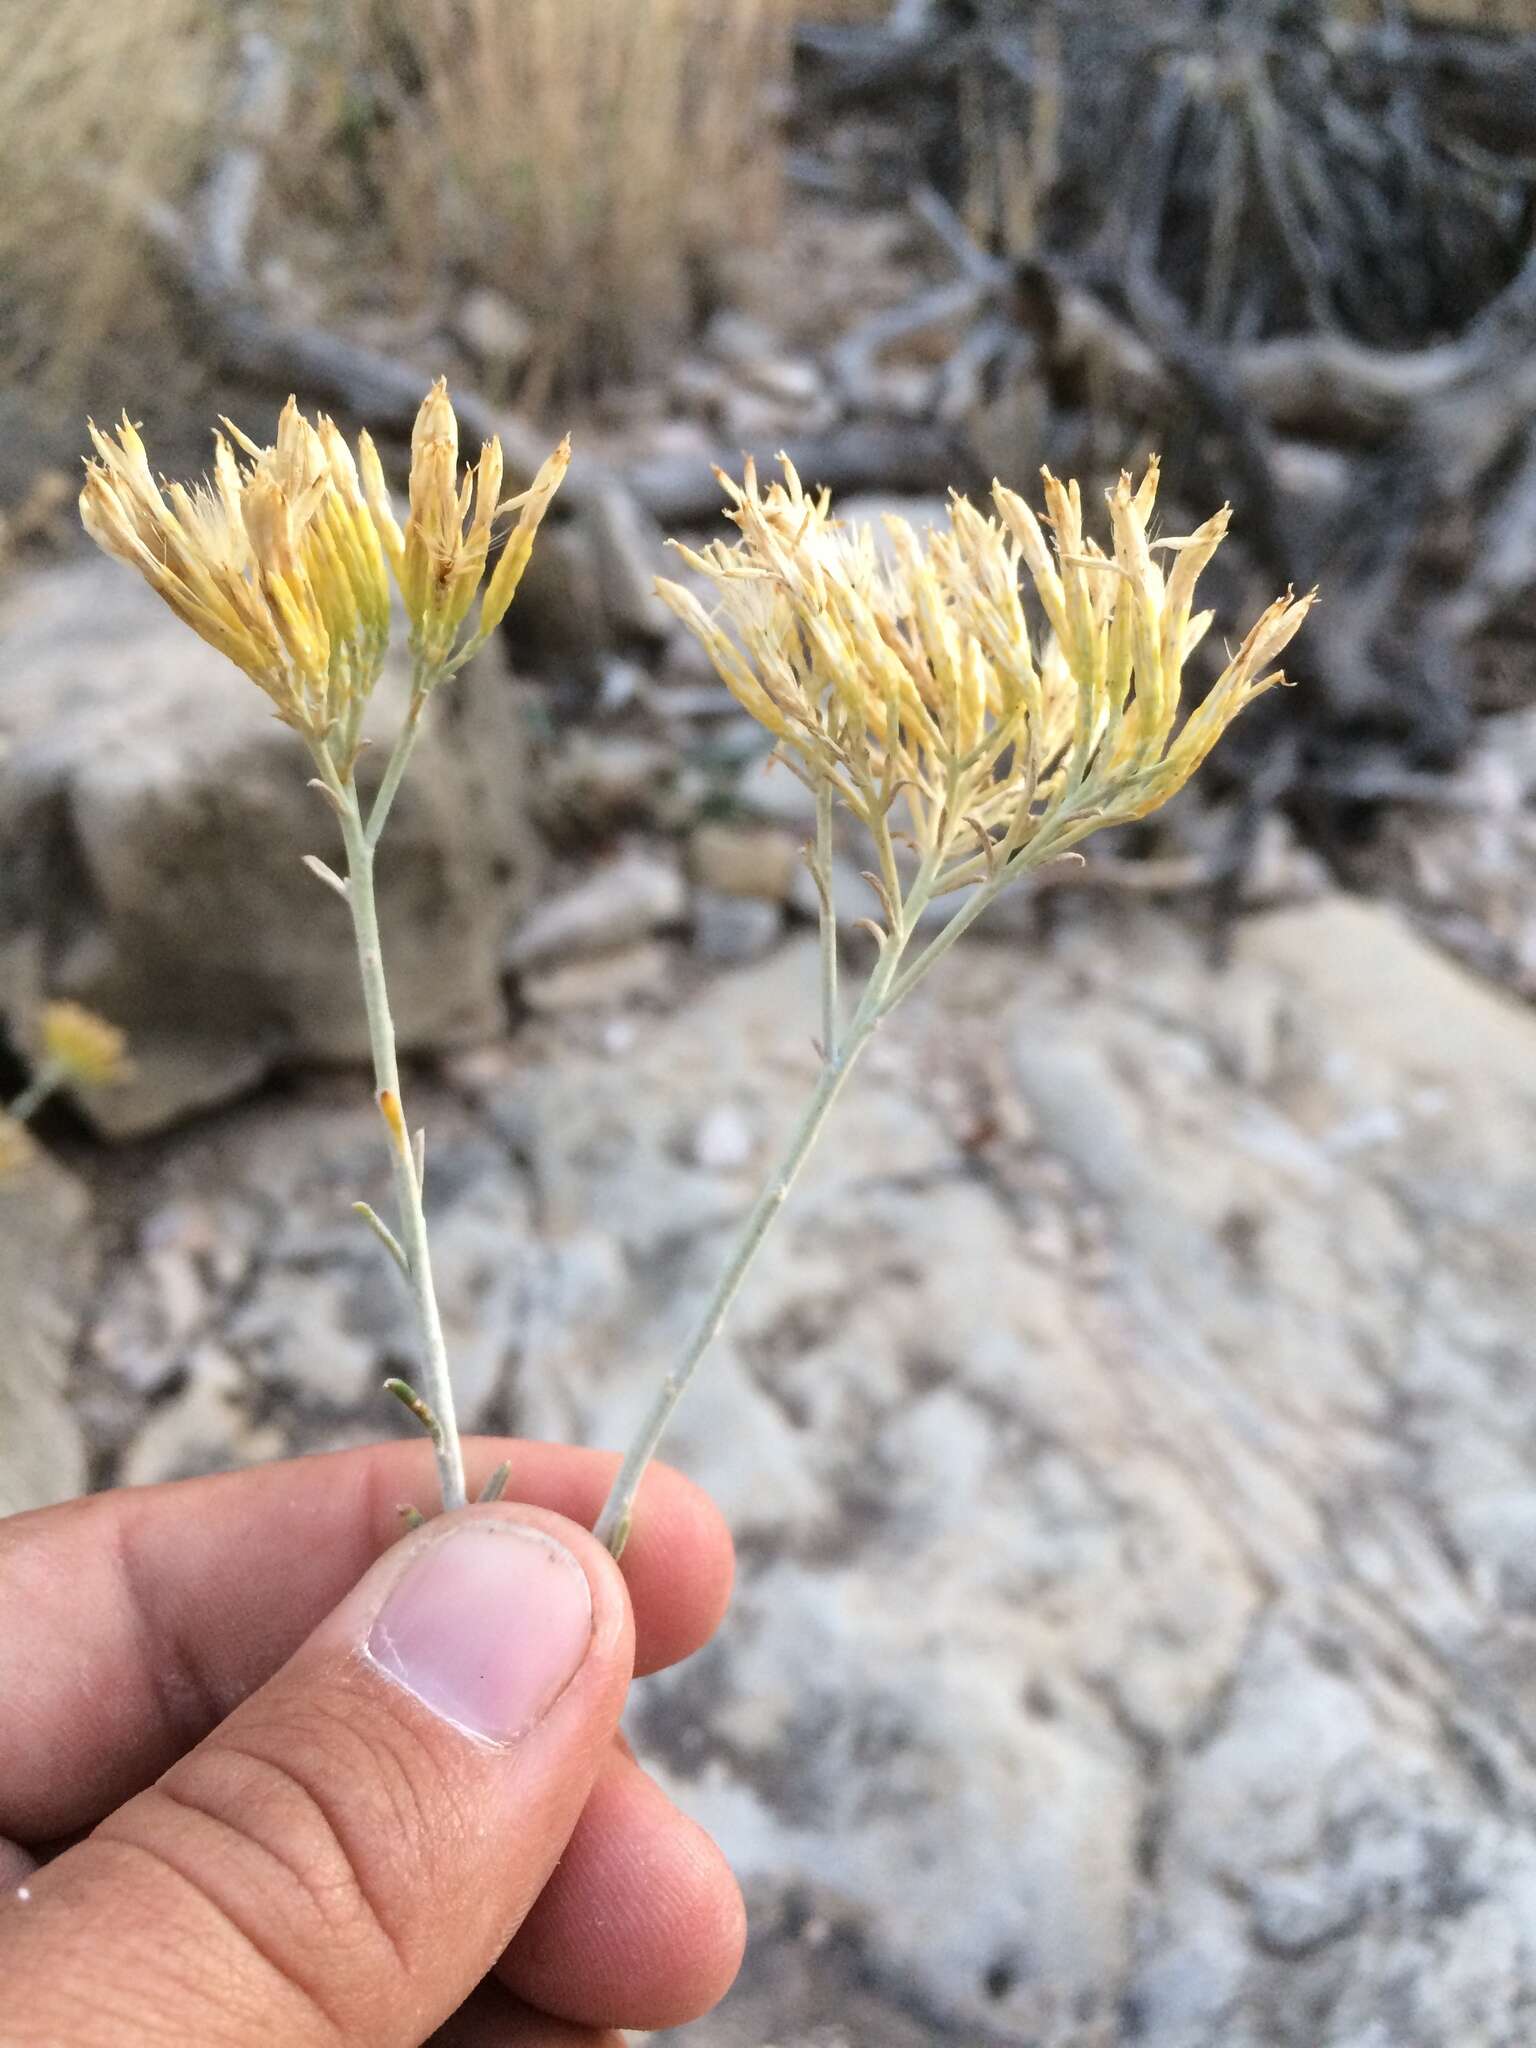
x=206 y=1426
x=724 y=1141
x=762 y=863
x=1464 y=859
x=903 y=391
x=1153 y=1424
x=603 y=979
x=638 y=892
x=629 y=553
x=47 y=1271
x=318 y=1322
x=697 y=385
x=1280 y=869
x=497 y=334
x=298 y=1316
x=601 y=781
x=189 y=1256
x=752 y=420
x=793 y=382
x=768 y=790
x=152 y=819
x=560 y=619
x=728 y=930
x=735 y=339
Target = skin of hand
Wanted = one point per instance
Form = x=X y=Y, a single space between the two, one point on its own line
x=269 y=1774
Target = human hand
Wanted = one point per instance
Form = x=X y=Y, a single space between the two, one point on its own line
x=342 y=1789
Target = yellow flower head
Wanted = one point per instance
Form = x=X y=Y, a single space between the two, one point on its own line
x=275 y=561
x=911 y=670
x=439 y=559
x=82 y=1047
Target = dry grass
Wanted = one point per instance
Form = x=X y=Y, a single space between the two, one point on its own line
x=102 y=109
x=589 y=160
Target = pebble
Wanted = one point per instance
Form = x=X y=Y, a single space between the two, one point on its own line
x=638 y=893
x=723 y=1141
x=592 y=984
x=729 y=930
x=762 y=862
x=497 y=334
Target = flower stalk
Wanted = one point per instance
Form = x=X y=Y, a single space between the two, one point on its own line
x=283 y=563
x=907 y=681
x=360 y=837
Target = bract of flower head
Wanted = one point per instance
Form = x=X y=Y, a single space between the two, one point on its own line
x=439 y=558
x=275 y=561
x=908 y=668
x=82 y=1047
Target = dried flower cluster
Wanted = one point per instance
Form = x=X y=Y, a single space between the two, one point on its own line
x=280 y=561
x=76 y=1049
x=275 y=561
x=439 y=560
x=283 y=563
x=910 y=670
x=82 y=1048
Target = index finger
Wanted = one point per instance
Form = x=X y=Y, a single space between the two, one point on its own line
x=132 y=1622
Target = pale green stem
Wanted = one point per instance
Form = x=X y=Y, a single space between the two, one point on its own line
x=395 y=768
x=940 y=944
x=612 y=1526
x=1036 y=854
x=49 y=1077
x=359 y=840
x=828 y=920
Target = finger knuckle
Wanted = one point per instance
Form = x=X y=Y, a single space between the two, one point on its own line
x=298 y=1838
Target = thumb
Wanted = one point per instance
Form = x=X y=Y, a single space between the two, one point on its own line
x=347 y=1854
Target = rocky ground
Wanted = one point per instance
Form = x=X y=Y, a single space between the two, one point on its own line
x=1129 y=1432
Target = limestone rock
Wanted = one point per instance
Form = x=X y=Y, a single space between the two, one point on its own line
x=763 y=862
x=152 y=819
x=598 y=981
x=47 y=1269
x=499 y=335
x=1130 y=1436
x=730 y=930
x=625 y=899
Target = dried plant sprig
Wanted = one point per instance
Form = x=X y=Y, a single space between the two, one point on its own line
x=439 y=558
x=76 y=1049
x=275 y=561
x=906 y=682
x=283 y=564
x=909 y=673
x=85 y=1048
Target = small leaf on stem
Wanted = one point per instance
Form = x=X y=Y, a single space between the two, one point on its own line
x=384 y=1234
x=408 y=1397
x=329 y=876
x=496 y=1485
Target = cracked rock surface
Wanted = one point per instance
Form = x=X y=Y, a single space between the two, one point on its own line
x=1129 y=1432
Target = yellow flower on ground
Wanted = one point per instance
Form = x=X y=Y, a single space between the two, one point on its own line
x=439 y=558
x=82 y=1047
x=275 y=561
x=910 y=671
